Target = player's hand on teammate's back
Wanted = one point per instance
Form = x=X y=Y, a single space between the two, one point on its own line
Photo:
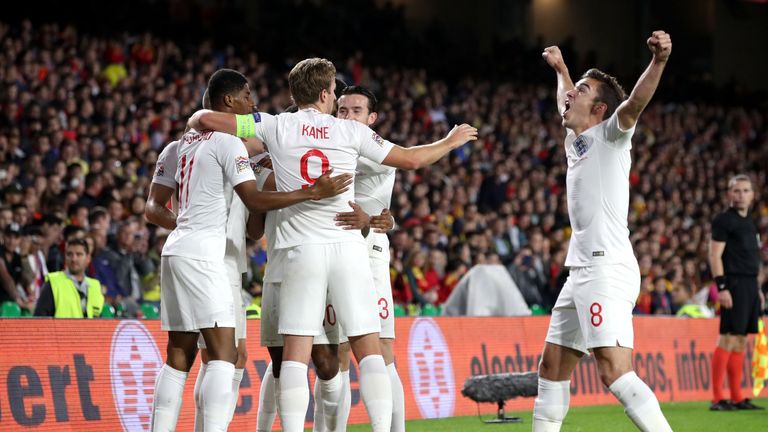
x=461 y=134
x=266 y=162
x=326 y=186
x=553 y=57
x=383 y=222
x=660 y=44
x=356 y=219
x=726 y=301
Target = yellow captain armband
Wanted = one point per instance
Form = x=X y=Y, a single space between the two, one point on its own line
x=246 y=126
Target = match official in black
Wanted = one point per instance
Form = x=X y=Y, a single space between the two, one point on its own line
x=734 y=258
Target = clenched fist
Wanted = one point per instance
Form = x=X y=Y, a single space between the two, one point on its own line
x=553 y=57
x=660 y=44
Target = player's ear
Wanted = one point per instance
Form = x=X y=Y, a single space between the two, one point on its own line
x=229 y=100
x=599 y=109
x=372 y=117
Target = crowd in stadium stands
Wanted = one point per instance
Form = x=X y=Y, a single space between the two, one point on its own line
x=83 y=118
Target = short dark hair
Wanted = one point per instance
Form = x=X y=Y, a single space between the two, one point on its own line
x=610 y=92
x=91 y=178
x=360 y=90
x=97 y=213
x=71 y=230
x=224 y=82
x=79 y=242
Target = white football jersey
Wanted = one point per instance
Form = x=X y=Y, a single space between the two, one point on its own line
x=597 y=185
x=303 y=145
x=210 y=165
x=235 y=254
x=165 y=168
x=373 y=186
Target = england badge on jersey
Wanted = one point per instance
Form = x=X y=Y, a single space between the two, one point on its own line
x=581 y=145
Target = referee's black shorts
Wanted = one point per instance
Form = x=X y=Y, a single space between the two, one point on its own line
x=742 y=318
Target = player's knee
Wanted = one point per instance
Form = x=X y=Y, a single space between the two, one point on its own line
x=326 y=365
x=225 y=353
x=610 y=371
x=550 y=369
x=181 y=360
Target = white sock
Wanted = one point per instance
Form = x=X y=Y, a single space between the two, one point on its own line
x=345 y=406
x=640 y=404
x=293 y=397
x=398 y=399
x=169 y=388
x=318 y=425
x=198 y=405
x=265 y=417
x=330 y=400
x=551 y=405
x=236 y=380
x=376 y=392
x=216 y=395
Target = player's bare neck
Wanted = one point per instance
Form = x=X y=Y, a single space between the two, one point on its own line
x=313 y=106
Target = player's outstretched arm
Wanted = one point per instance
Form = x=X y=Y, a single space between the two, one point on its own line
x=554 y=58
x=155 y=211
x=212 y=120
x=324 y=187
x=424 y=155
x=660 y=44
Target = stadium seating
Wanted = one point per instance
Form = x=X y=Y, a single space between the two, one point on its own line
x=10 y=309
x=108 y=311
x=150 y=311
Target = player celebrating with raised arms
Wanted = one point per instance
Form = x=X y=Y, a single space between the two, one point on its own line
x=594 y=310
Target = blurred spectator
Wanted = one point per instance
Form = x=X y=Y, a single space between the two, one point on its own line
x=684 y=303
x=69 y=293
x=661 y=300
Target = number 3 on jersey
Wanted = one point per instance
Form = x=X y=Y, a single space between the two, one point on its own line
x=304 y=166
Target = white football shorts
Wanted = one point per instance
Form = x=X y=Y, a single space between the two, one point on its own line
x=313 y=272
x=194 y=295
x=236 y=285
x=594 y=309
x=378 y=256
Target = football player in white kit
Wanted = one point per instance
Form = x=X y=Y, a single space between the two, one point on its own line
x=161 y=191
x=196 y=296
x=373 y=194
x=594 y=310
x=320 y=256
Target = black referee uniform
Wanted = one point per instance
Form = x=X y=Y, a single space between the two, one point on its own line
x=741 y=264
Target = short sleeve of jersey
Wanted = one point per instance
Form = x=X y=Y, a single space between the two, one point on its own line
x=165 y=168
x=233 y=157
x=720 y=228
x=372 y=145
x=266 y=127
x=367 y=166
x=615 y=135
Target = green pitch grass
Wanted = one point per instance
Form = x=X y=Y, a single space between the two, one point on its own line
x=682 y=416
